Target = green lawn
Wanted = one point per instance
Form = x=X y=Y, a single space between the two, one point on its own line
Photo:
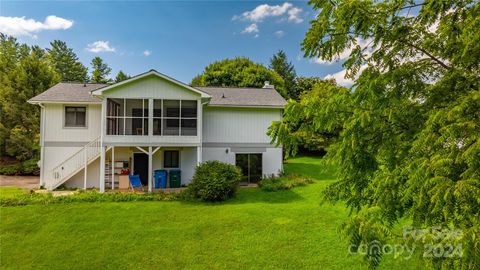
x=257 y=230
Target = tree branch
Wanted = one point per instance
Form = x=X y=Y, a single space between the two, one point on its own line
x=438 y=61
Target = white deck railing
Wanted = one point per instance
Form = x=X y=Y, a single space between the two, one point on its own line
x=75 y=163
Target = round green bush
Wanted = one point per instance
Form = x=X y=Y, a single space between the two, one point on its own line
x=214 y=181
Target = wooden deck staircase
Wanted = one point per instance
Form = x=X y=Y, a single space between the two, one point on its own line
x=75 y=163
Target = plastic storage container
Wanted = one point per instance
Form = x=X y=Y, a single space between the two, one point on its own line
x=160 y=178
x=175 y=178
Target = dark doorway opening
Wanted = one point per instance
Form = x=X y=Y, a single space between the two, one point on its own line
x=251 y=167
x=140 y=167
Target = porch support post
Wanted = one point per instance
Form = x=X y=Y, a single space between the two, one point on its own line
x=85 y=167
x=113 y=167
x=150 y=169
x=102 y=169
x=199 y=155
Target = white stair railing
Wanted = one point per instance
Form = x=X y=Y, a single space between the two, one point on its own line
x=75 y=163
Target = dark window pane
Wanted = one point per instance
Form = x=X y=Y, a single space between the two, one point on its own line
x=69 y=119
x=81 y=118
x=189 y=127
x=172 y=123
x=241 y=161
x=171 y=108
x=157 y=127
x=189 y=109
x=157 y=108
x=255 y=168
x=250 y=166
x=171 y=159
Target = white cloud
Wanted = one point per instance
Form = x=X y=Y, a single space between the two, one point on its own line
x=19 y=26
x=340 y=76
x=100 y=46
x=264 y=11
x=294 y=15
x=363 y=43
x=252 y=28
x=279 y=33
x=147 y=53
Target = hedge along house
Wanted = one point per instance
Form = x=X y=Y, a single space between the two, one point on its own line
x=91 y=134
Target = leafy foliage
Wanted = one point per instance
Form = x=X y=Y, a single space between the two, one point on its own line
x=326 y=103
x=409 y=130
x=279 y=63
x=214 y=181
x=24 y=73
x=100 y=70
x=66 y=62
x=121 y=76
x=83 y=196
x=285 y=182
x=238 y=72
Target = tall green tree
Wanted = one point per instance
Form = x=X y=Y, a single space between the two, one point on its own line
x=238 y=72
x=100 y=71
x=280 y=64
x=121 y=76
x=298 y=129
x=306 y=84
x=66 y=62
x=24 y=73
x=409 y=145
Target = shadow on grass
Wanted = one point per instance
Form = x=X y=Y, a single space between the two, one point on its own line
x=255 y=195
x=317 y=171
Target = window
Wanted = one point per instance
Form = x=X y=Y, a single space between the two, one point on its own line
x=251 y=167
x=170 y=159
x=127 y=116
x=75 y=116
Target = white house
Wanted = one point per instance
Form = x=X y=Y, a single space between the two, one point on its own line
x=91 y=134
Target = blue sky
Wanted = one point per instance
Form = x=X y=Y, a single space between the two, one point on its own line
x=177 y=38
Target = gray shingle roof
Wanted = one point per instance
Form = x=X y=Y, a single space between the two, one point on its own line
x=221 y=96
x=69 y=92
x=255 y=97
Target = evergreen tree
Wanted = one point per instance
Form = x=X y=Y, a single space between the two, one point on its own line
x=279 y=63
x=100 y=71
x=121 y=76
x=66 y=62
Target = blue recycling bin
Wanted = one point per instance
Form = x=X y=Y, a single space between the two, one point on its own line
x=160 y=178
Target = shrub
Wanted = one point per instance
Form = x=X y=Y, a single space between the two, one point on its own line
x=30 y=167
x=12 y=169
x=285 y=182
x=214 y=181
x=84 y=196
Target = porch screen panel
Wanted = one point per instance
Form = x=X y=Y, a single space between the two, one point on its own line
x=189 y=118
x=115 y=116
x=136 y=118
x=171 y=120
x=157 y=117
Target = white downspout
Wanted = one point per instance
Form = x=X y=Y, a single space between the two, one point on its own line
x=42 y=144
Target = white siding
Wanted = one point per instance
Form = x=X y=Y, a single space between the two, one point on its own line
x=56 y=132
x=188 y=162
x=238 y=125
x=151 y=87
x=93 y=177
x=271 y=158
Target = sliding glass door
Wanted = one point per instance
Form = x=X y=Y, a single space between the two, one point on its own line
x=251 y=167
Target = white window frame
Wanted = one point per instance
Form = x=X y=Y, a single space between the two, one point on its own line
x=64 y=116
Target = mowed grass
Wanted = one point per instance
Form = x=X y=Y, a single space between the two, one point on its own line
x=256 y=230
